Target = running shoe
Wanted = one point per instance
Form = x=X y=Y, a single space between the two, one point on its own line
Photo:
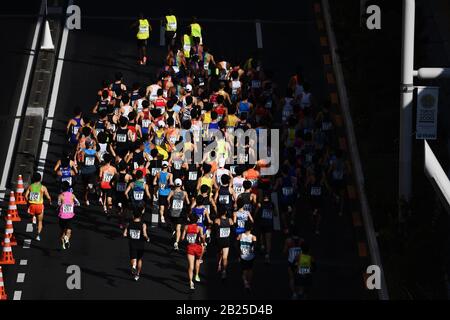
x=63 y=244
x=173 y=233
x=38 y=238
x=197 y=278
x=136 y=277
x=133 y=271
x=87 y=203
x=34 y=219
x=192 y=286
x=175 y=246
x=163 y=220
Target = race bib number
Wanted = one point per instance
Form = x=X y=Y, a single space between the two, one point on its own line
x=172 y=25
x=121 y=137
x=146 y=123
x=316 y=191
x=35 y=196
x=326 y=126
x=177 y=204
x=187 y=48
x=224 y=199
x=239 y=190
x=138 y=195
x=304 y=270
x=200 y=219
x=107 y=177
x=256 y=84
x=224 y=232
x=155 y=171
x=177 y=165
x=191 y=238
x=89 y=161
x=143 y=29
x=245 y=250
x=241 y=223
x=121 y=186
x=267 y=214
x=135 y=234
x=193 y=176
x=67 y=208
x=288 y=191
x=207 y=208
x=173 y=139
x=99 y=130
x=75 y=130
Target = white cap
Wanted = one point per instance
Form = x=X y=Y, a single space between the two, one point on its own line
x=161 y=124
x=178 y=182
x=188 y=88
x=165 y=164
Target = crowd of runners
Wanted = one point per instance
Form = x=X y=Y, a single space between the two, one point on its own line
x=125 y=157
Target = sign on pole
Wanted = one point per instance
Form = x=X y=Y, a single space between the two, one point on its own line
x=427 y=110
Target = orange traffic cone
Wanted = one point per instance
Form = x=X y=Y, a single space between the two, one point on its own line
x=9 y=232
x=3 y=295
x=12 y=208
x=20 y=199
x=7 y=255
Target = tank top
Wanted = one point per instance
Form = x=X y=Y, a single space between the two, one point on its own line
x=304 y=264
x=238 y=185
x=121 y=185
x=106 y=180
x=246 y=198
x=177 y=204
x=136 y=231
x=66 y=210
x=267 y=213
x=247 y=247
x=224 y=198
x=66 y=174
x=287 y=188
x=74 y=131
x=224 y=229
x=200 y=213
x=122 y=138
x=192 y=235
x=164 y=189
x=139 y=190
x=35 y=196
x=241 y=219
x=88 y=166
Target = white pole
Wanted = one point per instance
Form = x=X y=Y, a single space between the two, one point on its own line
x=406 y=102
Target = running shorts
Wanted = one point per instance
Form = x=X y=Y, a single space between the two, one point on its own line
x=247 y=264
x=65 y=223
x=36 y=209
x=195 y=250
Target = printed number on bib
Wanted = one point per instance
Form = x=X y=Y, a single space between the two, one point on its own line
x=316 y=191
x=192 y=176
x=155 y=171
x=67 y=179
x=326 y=126
x=224 y=232
x=191 y=237
x=67 y=208
x=121 y=186
x=89 y=161
x=138 y=195
x=177 y=204
x=107 y=177
x=35 y=196
x=288 y=191
x=135 y=234
x=224 y=199
x=267 y=214
x=121 y=137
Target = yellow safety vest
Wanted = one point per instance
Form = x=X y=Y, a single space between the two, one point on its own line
x=187 y=44
x=144 y=30
x=196 y=30
x=171 y=23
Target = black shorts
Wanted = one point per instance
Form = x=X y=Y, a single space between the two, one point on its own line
x=89 y=178
x=141 y=43
x=108 y=192
x=136 y=251
x=162 y=200
x=303 y=280
x=176 y=220
x=223 y=243
x=247 y=264
x=65 y=223
x=170 y=36
x=337 y=185
x=266 y=227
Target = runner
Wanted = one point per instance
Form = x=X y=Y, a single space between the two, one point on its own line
x=177 y=199
x=136 y=232
x=265 y=213
x=143 y=33
x=193 y=233
x=170 y=25
x=223 y=226
x=247 y=242
x=66 y=203
x=35 y=196
x=286 y=185
x=74 y=125
x=140 y=190
x=241 y=216
x=305 y=267
x=123 y=178
x=107 y=177
x=196 y=32
x=292 y=248
x=163 y=180
x=87 y=160
x=225 y=196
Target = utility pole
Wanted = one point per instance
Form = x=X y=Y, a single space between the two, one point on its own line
x=406 y=103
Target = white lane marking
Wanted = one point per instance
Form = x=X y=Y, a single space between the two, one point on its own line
x=27 y=243
x=23 y=262
x=23 y=93
x=259 y=40
x=162 y=37
x=17 y=295
x=53 y=99
x=20 y=277
x=29 y=227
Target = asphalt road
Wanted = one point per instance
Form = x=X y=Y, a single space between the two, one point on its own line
x=105 y=46
x=14 y=56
